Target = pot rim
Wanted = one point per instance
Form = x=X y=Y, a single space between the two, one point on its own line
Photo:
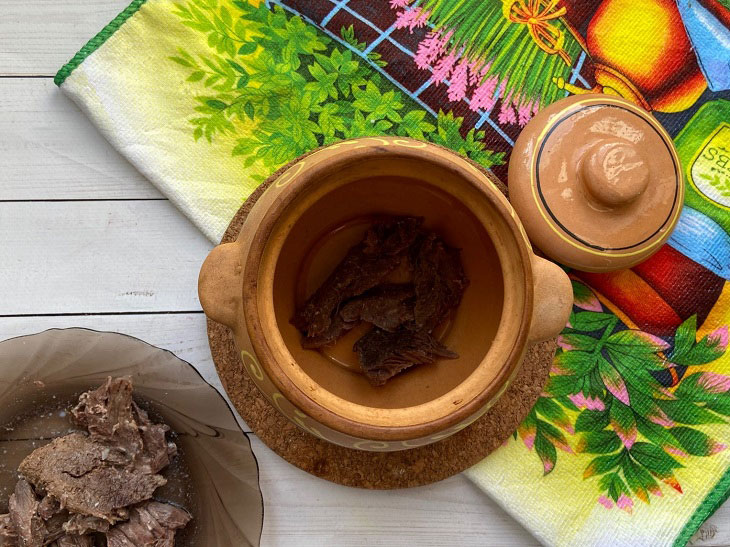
x=286 y=374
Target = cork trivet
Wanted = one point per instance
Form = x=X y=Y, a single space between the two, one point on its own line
x=375 y=470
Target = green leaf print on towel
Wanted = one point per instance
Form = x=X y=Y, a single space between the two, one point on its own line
x=604 y=398
x=281 y=87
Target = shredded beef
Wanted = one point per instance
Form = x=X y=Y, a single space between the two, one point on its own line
x=79 y=472
x=404 y=315
x=384 y=354
x=24 y=516
x=80 y=525
x=8 y=535
x=74 y=541
x=438 y=279
x=366 y=264
x=75 y=488
x=151 y=524
x=385 y=306
x=338 y=326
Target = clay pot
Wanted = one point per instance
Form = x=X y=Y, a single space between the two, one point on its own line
x=303 y=225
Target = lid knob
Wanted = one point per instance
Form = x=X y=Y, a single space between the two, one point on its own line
x=614 y=172
x=596 y=182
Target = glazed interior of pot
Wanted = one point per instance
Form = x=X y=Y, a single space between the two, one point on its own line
x=315 y=233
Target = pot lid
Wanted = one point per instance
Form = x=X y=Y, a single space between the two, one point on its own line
x=597 y=182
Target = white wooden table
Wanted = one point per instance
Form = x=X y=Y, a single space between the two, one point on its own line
x=86 y=241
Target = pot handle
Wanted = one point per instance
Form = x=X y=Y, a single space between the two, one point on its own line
x=220 y=284
x=553 y=300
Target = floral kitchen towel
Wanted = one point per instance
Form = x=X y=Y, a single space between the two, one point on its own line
x=629 y=443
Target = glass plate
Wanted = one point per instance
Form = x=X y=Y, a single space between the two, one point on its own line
x=215 y=475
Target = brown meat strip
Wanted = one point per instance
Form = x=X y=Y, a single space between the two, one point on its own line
x=106 y=413
x=74 y=541
x=116 y=538
x=113 y=418
x=81 y=474
x=48 y=507
x=8 y=536
x=35 y=521
x=24 y=516
x=386 y=306
x=54 y=526
x=365 y=265
x=439 y=281
x=80 y=525
x=157 y=453
x=337 y=328
x=384 y=354
x=151 y=524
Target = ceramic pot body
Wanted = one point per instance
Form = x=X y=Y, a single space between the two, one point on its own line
x=303 y=225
